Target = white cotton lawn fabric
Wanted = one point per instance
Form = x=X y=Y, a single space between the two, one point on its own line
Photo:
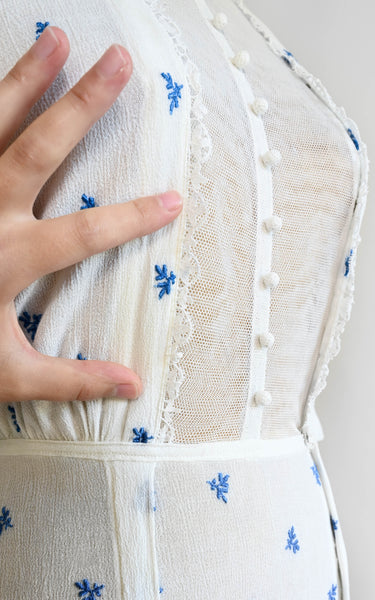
x=210 y=484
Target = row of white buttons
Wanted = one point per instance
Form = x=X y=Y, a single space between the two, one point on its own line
x=274 y=223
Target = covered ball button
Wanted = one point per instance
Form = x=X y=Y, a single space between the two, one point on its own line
x=263 y=398
x=266 y=340
x=273 y=223
x=241 y=59
x=271 y=280
x=271 y=158
x=259 y=106
x=220 y=20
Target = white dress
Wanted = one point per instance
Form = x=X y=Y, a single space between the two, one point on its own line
x=210 y=485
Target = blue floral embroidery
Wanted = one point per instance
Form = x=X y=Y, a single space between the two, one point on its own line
x=80 y=357
x=160 y=590
x=221 y=487
x=332 y=592
x=5 y=520
x=141 y=435
x=86 y=589
x=40 y=27
x=30 y=326
x=175 y=93
x=164 y=285
x=333 y=523
x=286 y=59
x=347 y=260
x=292 y=543
x=353 y=138
x=90 y=201
x=13 y=413
x=316 y=473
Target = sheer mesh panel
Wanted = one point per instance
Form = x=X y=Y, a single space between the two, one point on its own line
x=216 y=358
x=313 y=194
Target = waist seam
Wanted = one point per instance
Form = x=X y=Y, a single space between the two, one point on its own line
x=154 y=452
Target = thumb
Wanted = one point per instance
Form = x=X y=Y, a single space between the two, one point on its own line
x=45 y=377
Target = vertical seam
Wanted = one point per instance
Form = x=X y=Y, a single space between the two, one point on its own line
x=152 y=530
x=115 y=523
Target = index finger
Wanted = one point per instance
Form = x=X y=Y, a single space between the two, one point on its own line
x=29 y=78
x=32 y=158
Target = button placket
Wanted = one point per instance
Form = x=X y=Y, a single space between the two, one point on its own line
x=269 y=281
x=267 y=158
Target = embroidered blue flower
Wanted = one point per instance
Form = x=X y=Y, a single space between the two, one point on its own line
x=90 y=201
x=286 y=59
x=333 y=523
x=80 y=357
x=332 y=592
x=292 y=543
x=353 y=138
x=347 y=260
x=160 y=590
x=13 y=413
x=169 y=279
x=5 y=520
x=175 y=93
x=141 y=435
x=316 y=473
x=221 y=487
x=30 y=325
x=86 y=589
x=40 y=27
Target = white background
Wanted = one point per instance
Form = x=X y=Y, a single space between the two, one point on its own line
x=335 y=40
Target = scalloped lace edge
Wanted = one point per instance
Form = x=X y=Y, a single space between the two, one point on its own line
x=200 y=152
x=344 y=290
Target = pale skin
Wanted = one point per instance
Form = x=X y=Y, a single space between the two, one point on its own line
x=30 y=247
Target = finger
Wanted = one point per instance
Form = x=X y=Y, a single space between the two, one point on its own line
x=44 y=377
x=30 y=77
x=38 y=151
x=35 y=248
x=25 y=374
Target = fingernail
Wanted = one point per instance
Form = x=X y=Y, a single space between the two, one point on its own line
x=112 y=61
x=127 y=390
x=171 y=200
x=45 y=44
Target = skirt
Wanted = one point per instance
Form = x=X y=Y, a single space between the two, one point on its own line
x=247 y=519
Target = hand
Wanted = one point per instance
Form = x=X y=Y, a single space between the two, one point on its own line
x=31 y=248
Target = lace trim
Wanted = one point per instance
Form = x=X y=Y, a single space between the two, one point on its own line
x=344 y=291
x=200 y=152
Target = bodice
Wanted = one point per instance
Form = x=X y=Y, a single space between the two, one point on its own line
x=231 y=313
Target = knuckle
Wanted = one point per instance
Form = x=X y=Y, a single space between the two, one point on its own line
x=28 y=152
x=86 y=391
x=80 y=98
x=81 y=393
x=142 y=213
x=16 y=76
x=87 y=229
